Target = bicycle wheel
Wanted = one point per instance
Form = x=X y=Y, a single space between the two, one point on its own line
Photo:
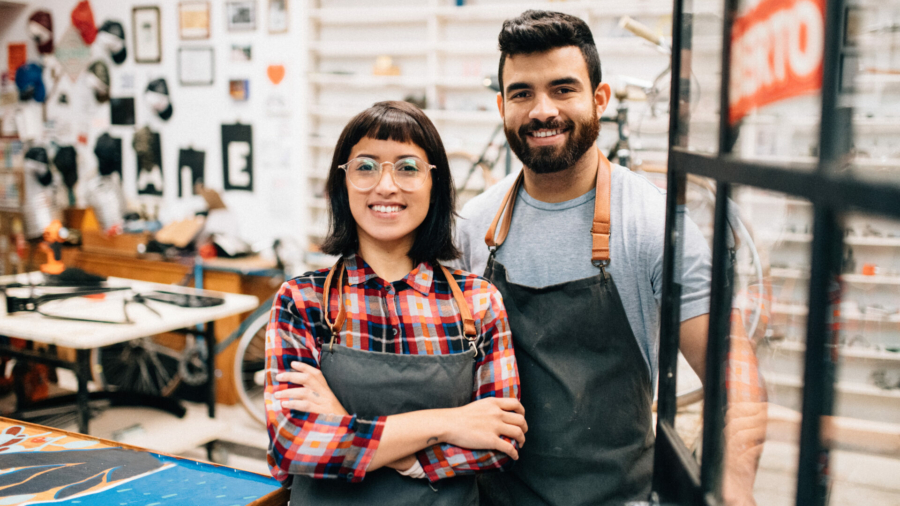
x=140 y=365
x=469 y=177
x=250 y=364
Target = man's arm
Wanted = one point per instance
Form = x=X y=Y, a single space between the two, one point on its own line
x=746 y=417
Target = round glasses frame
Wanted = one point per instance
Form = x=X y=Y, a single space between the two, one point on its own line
x=346 y=168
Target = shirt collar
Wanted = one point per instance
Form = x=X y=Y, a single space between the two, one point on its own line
x=419 y=279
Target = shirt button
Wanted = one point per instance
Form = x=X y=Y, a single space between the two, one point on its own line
x=396 y=331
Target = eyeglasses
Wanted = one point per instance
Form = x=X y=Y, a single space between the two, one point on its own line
x=409 y=174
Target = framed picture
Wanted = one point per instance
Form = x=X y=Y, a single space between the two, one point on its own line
x=241 y=52
x=196 y=66
x=193 y=20
x=278 y=16
x=147 y=39
x=241 y=15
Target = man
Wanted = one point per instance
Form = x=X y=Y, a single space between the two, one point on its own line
x=575 y=246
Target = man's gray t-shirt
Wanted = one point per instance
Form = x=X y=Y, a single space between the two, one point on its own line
x=550 y=244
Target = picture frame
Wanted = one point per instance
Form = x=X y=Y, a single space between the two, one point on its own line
x=278 y=16
x=196 y=66
x=147 y=34
x=193 y=19
x=240 y=15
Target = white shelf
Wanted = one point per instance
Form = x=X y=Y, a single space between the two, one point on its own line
x=841 y=387
x=501 y=12
x=402 y=81
x=889 y=242
x=367 y=16
x=318 y=203
x=780 y=273
x=483 y=117
x=368 y=81
x=358 y=50
x=800 y=310
x=844 y=351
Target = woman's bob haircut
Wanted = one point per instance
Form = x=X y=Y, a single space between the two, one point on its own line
x=400 y=122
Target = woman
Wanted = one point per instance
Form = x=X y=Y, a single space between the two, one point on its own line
x=407 y=385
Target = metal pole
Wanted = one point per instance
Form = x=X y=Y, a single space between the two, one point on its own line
x=210 y=338
x=83 y=374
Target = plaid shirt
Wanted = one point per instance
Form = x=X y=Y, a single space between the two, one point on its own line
x=412 y=316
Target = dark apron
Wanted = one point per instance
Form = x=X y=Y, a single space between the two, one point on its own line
x=585 y=385
x=372 y=384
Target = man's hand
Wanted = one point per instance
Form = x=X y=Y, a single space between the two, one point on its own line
x=745 y=435
x=313 y=394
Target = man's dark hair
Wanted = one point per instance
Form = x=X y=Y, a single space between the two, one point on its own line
x=538 y=31
x=401 y=122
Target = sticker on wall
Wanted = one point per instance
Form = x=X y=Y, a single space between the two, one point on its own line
x=239 y=89
x=149 y=162
x=72 y=53
x=275 y=73
x=237 y=156
x=191 y=167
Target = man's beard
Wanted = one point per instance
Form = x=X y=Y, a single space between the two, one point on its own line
x=550 y=159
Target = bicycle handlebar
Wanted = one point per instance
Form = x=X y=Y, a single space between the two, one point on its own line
x=643 y=31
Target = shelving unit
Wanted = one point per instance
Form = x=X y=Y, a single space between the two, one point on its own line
x=868 y=315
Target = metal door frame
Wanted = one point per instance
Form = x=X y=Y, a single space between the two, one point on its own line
x=832 y=191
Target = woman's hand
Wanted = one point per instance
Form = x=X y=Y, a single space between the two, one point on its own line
x=479 y=425
x=314 y=396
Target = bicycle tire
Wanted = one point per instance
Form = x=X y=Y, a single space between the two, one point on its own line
x=249 y=360
x=466 y=169
x=140 y=365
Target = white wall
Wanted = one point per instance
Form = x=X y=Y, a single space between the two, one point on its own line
x=275 y=207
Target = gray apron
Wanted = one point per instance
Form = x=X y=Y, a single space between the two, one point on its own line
x=372 y=384
x=585 y=385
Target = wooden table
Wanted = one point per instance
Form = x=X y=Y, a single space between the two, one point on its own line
x=84 y=336
x=43 y=465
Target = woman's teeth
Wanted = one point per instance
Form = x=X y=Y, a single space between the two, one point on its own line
x=386 y=209
x=546 y=133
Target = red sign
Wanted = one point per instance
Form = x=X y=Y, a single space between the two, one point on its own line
x=776 y=53
x=17 y=55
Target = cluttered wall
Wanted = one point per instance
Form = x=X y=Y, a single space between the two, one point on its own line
x=161 y=95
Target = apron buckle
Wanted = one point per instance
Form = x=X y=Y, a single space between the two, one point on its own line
x=601 y=264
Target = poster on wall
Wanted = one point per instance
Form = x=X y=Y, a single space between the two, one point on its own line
x=121 y=111
x=147 y=39
x=191 y=167
x=278 y=16
x=241 y=15
x=149 y=162
x=196 y=66
x=16 y=56
x=237 y=156
x=193 y=20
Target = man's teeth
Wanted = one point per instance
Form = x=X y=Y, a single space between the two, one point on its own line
x=386 y=209
x=546 y=133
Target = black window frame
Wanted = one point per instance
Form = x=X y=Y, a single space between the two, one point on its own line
x=833 y=192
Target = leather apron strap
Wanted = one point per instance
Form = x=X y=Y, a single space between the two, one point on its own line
x=338 y=324
x=600 y=229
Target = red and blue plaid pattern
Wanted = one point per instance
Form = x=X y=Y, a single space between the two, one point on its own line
x=416 y=315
